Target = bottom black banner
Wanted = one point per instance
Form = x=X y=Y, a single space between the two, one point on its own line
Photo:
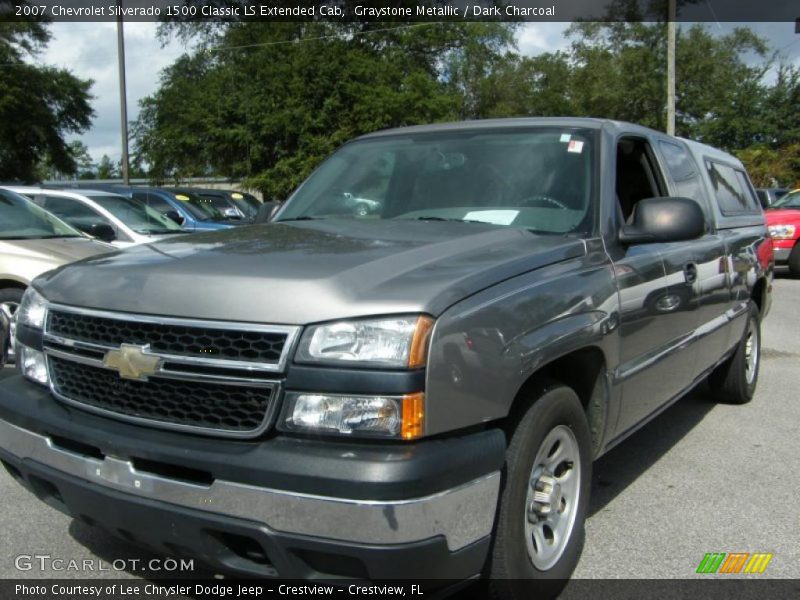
x=214 y=589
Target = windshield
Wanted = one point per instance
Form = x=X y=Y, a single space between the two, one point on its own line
x=246 y=203
x=136 y=215
x=791 y=200
x=225 y=208
x=200 y=208
x=21 y=219
x=538 y=179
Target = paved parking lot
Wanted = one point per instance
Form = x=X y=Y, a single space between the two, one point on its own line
x=700 y=478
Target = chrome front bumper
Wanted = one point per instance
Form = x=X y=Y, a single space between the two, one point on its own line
x=461 y=515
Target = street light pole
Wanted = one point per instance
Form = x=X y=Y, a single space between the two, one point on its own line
x=671 y=34
x=123 y=95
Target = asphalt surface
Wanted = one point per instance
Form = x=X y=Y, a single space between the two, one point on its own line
x=702 y=477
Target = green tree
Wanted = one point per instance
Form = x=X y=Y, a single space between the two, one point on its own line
x=106 y=168
x=39 y=107
x=269 y=103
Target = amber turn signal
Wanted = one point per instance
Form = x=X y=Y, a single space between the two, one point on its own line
x=418 y=354
x=413 y=416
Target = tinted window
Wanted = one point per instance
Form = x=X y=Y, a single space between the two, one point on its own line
x=682 y=169
x=22 y=219
x=154 y=201
x=731 y=189
x=69 y=208
x=679 y=162
x=136 y=215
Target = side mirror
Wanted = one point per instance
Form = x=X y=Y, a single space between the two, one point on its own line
x=664 y=220
x=174 y=215
x=266 y=211
x=102 y=231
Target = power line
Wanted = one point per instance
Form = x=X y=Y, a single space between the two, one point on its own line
x=316 y=39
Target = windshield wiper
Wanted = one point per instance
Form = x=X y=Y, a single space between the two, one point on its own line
x=57 y=236
x=303 y=218
x=451 y=219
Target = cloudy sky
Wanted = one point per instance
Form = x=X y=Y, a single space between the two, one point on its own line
x=89 y=50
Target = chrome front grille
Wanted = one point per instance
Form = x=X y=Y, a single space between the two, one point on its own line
x=166 y=372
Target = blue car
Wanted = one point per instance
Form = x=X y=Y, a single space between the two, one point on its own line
x=191 y=211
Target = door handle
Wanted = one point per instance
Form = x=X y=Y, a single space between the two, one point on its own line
x=690 y=273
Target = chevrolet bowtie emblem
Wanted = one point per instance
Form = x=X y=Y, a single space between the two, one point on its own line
x=132 y=362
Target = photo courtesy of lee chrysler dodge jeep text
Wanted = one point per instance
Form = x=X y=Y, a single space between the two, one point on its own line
x=417 y=390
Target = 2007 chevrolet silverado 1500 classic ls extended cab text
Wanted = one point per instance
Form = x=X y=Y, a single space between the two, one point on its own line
x=419 y=391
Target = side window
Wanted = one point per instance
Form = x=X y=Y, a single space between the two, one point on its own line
x=153 y=201
x=67 y=209
x=638 y=177
x=682 y=169
x=748 y=191
x=731 y=189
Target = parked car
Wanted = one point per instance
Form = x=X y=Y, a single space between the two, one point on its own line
x=33 y=241
x=420 y=391
x=769 y=196
x=246 y=204
x=190 y=211
x=110 y=217
x=784 y=227
x=235 y=209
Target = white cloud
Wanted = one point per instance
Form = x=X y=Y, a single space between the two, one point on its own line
x=89 y=51
x=536 y=38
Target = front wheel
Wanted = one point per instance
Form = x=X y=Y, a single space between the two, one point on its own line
x=539 y=534
x=735 y=380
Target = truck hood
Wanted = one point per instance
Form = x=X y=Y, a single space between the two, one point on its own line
x=57 y=251
x=303 y=272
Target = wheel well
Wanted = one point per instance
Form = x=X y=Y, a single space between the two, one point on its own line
x=580 y=371
x=11 y=283
x=757 y=295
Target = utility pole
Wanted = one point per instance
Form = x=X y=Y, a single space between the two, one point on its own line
x=123 y=96
x=671 y=34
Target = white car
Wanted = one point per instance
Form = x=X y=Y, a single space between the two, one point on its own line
x=109 y=217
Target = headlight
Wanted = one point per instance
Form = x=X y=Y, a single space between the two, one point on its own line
x=32 y=364
x=398 y=342
x=32 y=309
x=782 y=232
x=376 y=416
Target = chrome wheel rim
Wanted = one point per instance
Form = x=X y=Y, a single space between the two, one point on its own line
x=751 y=350
x=10 y=310
x=551 y=504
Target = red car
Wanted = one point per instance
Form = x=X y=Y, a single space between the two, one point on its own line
x=783 y=220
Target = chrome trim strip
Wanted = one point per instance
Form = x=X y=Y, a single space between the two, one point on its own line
x=275 y=388
x=462 y=515
x=292 y=333
x=165 y=373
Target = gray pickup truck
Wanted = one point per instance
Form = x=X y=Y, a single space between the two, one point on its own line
x=417 y=390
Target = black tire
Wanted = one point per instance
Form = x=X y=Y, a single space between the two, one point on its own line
x=512 y=573
x=731 y=382
x=10 y=297
x=794 y=260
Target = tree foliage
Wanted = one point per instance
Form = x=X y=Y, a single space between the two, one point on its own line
x=267 y=104
x=39 y=106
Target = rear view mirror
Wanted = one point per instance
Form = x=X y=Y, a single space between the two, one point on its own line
x=174 y=215
x=664 y=220
x=102 y=231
